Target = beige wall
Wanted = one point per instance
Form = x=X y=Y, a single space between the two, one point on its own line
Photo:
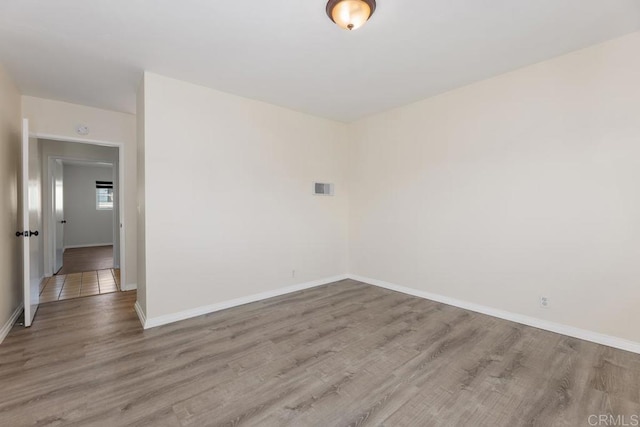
x=230 y=210
x=55 y=119
x=10 y=260
x=524 y=185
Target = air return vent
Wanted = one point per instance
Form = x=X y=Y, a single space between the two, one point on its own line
x=322 y=189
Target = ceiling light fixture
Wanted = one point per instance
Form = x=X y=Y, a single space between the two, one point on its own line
x=350 y=14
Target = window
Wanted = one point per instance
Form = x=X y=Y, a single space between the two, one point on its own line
x=104 y=195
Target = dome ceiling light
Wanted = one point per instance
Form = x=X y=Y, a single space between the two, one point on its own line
x=350 y=14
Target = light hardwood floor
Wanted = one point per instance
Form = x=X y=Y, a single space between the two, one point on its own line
x=345 y=354
x=78 y=260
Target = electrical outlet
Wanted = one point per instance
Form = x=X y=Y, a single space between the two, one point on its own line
x=544 y=302
x=293 y=273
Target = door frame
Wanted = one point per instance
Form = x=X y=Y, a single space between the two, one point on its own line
x=50 y=217
x=121 y=190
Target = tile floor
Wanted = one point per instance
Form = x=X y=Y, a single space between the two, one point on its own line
x=75 y=285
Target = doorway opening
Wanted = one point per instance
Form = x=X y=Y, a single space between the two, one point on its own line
x=81 y=209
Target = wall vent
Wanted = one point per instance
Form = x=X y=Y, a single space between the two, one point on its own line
x=322 y=189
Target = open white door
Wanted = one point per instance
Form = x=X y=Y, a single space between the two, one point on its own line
x=58 y=208
x=30 y=220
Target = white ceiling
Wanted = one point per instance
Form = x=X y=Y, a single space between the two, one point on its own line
x=287 y=52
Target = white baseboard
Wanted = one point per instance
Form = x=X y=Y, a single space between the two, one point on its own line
x=558 y=328
x=199 y=311
x=4 y=331
x=91 y=245
x=140 y=313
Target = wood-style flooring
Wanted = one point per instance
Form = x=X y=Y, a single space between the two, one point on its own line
x=344 y=354
x=78 y=260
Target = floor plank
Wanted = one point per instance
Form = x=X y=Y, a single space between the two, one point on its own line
x=344 y=354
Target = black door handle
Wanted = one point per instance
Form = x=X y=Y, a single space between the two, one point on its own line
x=26 y=233
x=64 y=221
